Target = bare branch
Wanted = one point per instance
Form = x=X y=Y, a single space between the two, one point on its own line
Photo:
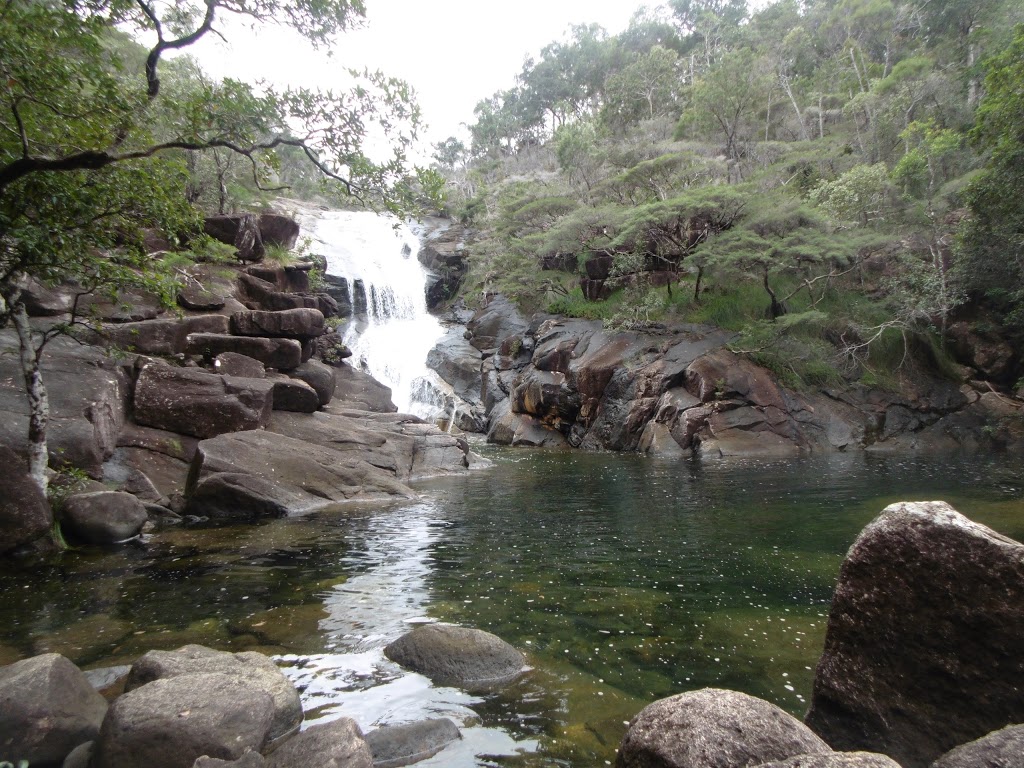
x=153 y=60
x=22 y=133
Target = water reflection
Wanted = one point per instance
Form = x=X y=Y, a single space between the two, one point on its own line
x=623 y=579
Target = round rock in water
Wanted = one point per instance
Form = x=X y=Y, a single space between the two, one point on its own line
x=467 y=658
x=836 y=760
x=396 y=745
x=714 y=728
x=1000 y=749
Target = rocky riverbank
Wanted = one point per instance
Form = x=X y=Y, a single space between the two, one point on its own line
x=238 y=404
x=676 y=392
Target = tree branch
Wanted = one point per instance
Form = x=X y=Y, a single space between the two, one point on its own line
x=153 y=60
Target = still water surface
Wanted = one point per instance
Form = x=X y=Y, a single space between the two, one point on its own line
x=624 y=580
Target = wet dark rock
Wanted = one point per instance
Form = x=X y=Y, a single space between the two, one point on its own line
x=253 y=670
x=47 y=708
x=922 y=649
x=25 y=514
x=1000 y=749
x=165 y=336
x=458 y=362
x=519 y=429
x=460 y=656
x=171 y=722
x=279 y=230
x=337 y=744
x=301 y=324
x=396 y=745
x=714 y=728
x=80 y=756
x=319 y=376
x=199 y=299
x=294 y=395
x=495 y=322
x=104 y=517
x=193 y=402
x=248 y=760
x=282 y=354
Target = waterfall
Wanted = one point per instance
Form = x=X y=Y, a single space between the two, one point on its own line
x=391 y=339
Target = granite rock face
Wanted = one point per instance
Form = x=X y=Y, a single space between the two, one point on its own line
x=714 y=728
x=25 y=514
x=922 y=651
x=47 y=708
x=1001 y=749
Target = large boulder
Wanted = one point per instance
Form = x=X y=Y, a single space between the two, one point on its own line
x=25 y=514
x=164 y=336
x=250 y=669
x=193 y=402
x=357 y=389
x=103 y=517
x=294 y=395
x=301 y=324
x=172 y=722
x=922 y=651
x=713 y=728
x=47 y=708
x=279 y=230
x=1001 y=749
x=337 y=744
x=319 y=376
x=458 y=362
x=459 y=656
x=495 y=322
x=282 y=354
x=397 y=745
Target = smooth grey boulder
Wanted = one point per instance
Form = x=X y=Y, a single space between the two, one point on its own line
x=282 y=354
x=397 y=745
x=459 y=656
x=240 y=496
x=319 y=376
x=235 y=364
x=836 y=760
x=277 y=229
x=250 y=669
x=80 y=756
x=294 y=395
x=25 y=514
x=103 y=517
x=714 y=728
x=337 y=744
x=922 y=651
x=194 y=402
x=302 y=324
x=458 y=362
x=47 y=708
x=172 y=722
x=1000 y=749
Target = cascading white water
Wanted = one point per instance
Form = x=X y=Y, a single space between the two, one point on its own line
x=392 y=339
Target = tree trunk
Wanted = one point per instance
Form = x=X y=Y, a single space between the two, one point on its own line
x=38 y=402
x=696 y=287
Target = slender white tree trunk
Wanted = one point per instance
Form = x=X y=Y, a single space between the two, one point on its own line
x=38 y=401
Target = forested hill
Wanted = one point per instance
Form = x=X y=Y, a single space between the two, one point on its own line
x=840 y=180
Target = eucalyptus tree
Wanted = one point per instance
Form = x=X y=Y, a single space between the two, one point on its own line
x=92 y=142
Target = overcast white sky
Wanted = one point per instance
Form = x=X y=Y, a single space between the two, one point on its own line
x=453 y=52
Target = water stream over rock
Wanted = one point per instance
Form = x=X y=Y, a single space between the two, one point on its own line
x=390 y=332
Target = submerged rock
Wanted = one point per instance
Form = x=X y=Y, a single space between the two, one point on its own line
x=47 y=708
x=714 y=728
x=922 y=651
x=337 y=744
x=459 y=656
x=396 y=745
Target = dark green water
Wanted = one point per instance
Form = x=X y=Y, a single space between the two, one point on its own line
x=624 y=579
